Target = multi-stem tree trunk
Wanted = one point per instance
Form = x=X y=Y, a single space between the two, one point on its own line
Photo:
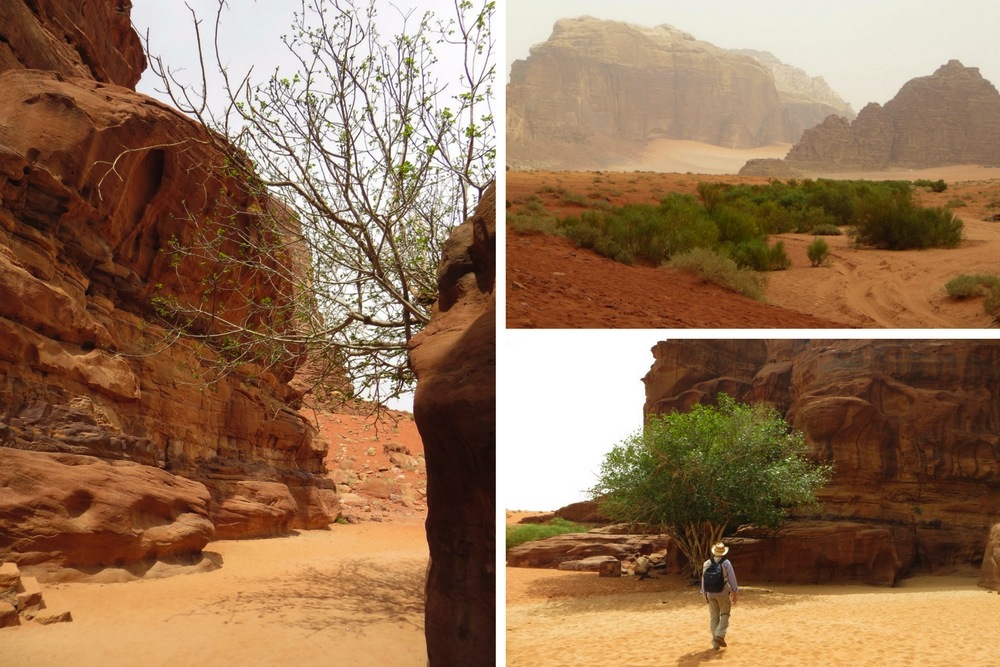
x=695 y=541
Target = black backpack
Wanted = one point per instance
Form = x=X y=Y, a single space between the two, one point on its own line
x=715 y=577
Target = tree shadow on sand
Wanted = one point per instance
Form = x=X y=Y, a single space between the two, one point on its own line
x=354 y=593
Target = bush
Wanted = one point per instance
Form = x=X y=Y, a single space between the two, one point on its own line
x=934 y=186
x=891 y=221
x=720 y=270
x=818 y=251
x=528 y=532
x=826 y=230
x=967 y=286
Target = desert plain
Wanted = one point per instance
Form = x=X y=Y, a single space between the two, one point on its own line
x=553 y=284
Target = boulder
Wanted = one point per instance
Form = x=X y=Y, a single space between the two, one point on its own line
x=551 y=552
x=83 y=513
x=454 y=359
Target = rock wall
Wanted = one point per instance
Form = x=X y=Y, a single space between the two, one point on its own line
x=950 y=117
x=96 y=183
x=912 y=427
x=596 y=91
x=454 y=359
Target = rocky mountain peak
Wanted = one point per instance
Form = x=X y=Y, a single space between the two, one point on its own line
x=949 y=117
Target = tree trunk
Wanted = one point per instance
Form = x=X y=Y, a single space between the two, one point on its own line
x=695 y=541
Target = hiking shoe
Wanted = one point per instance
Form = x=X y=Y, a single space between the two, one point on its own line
x=720 y=641
x=715 y=644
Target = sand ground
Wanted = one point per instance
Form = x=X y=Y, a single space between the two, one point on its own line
x=568 y=619
x=548 y=285
x=352 y=595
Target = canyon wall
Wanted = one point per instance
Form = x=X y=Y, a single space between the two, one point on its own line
x=912 y=428
x=949 y=117
x=97 y=184
x=454 y=406
x=596 y=91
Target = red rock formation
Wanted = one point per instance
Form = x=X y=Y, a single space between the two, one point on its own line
x=552 y=552
x=454 y=359
x=96 y=182
x=989 y=574
x=950 y=117
x=912 y=428
x=596 y=91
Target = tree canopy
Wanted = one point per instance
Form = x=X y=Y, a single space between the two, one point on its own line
x=699 y=472
x=377 y=143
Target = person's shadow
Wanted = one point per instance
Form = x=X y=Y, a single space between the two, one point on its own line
x=700 y=657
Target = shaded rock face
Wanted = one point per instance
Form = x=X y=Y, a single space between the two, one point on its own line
x=912 y=427
x=454 y=406
x=609 y=87
x=989 y=574
x=950 y=117
x=96 y=183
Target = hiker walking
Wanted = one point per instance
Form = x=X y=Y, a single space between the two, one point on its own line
x=718 y=585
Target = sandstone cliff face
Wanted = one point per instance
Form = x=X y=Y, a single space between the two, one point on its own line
x=454 y=359
x=950 y=117
x=912 y=427
x=95 y=182
x=596 y=91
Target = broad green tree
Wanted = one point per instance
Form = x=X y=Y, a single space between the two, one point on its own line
x=693 y=474
x=374 y=145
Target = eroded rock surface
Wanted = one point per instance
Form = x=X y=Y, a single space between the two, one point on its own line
x=596 y=91
x=454 y=359
x=912 y=428
x=97 y=184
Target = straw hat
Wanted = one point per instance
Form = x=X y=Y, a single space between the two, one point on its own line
x=720 y=550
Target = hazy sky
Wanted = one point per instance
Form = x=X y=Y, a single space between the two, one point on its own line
x=865 y=49
x=566 y=398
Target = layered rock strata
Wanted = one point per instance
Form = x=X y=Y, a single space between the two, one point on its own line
x=454 y=359
x=97 y=184
x=912 y=428
x=949 y=117
x=596 y=91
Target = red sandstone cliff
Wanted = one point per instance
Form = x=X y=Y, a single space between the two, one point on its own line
x=912 y=427
x=95 y=181
x=454 y=359
x=596 y=91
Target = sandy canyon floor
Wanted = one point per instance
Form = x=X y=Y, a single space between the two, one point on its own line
x=566 y=619
x=353 y=594
x=552 y=284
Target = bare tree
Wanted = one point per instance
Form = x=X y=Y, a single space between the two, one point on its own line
x=361 y=161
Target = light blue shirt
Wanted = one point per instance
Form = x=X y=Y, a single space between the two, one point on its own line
x=727 y=572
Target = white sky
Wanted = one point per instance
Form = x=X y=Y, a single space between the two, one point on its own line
x=565 y=398
x=865 y=49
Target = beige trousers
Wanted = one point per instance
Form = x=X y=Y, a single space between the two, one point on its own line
x=719 y=607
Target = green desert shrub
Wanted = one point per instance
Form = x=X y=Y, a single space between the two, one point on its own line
x=757 y=255
x=721 y=270
x=826 y=230
x=891 y=221
x=818 y=251
x=967 y=286
x=528 y=532
x=934 y=186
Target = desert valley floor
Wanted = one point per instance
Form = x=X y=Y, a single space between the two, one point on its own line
x=553 y=284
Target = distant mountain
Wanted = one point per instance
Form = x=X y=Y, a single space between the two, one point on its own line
x=597 y=91
x=949 y=117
